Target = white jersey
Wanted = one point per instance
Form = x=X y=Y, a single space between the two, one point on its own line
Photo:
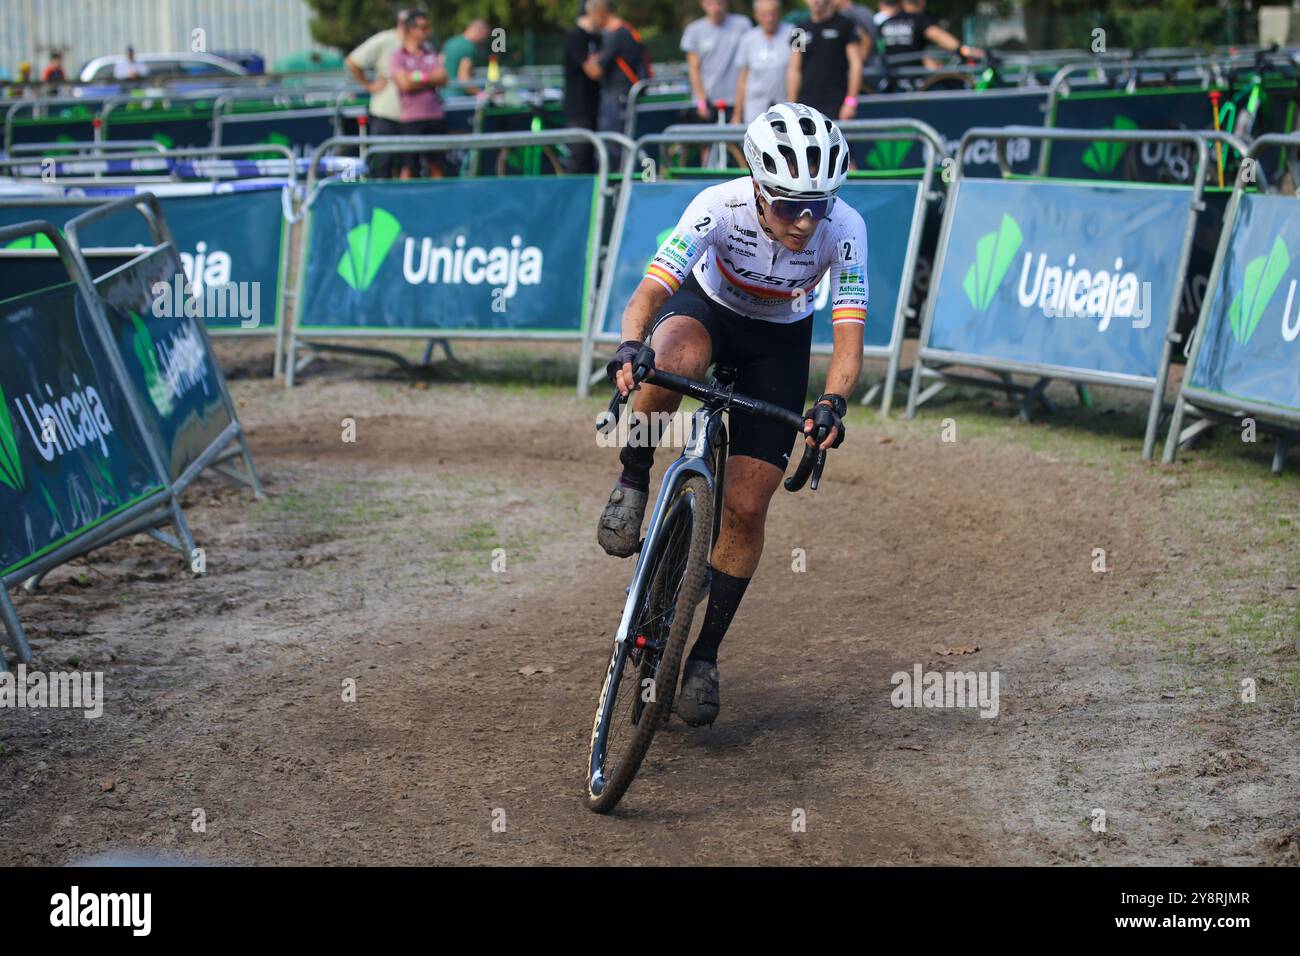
x=740 y=268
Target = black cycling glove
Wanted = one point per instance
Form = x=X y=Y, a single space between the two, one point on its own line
x=826 y=417
x=626 y=353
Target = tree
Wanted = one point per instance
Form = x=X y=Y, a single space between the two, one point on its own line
x=343 y=24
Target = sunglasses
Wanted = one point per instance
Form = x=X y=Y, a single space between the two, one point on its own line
x=792 y=210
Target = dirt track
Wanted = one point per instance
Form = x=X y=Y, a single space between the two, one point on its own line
x=475 y=689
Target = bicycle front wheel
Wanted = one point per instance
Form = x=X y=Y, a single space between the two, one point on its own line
x=642 y=677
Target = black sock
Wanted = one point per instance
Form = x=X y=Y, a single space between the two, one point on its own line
x=637 y=462
x=724 y=598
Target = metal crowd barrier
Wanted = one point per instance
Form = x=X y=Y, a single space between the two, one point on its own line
x=1004 y=368
x=221 y=449
x=209 y=162
x=407 y=144
x=158 y=507
x=1213 y=407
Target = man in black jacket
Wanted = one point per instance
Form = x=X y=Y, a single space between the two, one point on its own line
x=619 y=65
x=581 y=92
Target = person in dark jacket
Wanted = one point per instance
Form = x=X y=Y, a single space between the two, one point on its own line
x=620 y=64
x=581 y=92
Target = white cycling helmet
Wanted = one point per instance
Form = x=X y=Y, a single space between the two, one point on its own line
x=794 y=150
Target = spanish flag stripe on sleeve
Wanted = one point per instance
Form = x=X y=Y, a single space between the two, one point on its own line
x=662 y=275
x=848 y=314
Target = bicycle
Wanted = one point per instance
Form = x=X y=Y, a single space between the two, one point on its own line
x=669 y=579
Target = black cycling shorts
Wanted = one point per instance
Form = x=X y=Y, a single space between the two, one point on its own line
x=771 y=362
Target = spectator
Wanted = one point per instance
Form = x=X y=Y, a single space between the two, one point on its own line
x=130 y=68
x=710 y=44
x=581 y=92
x=620 y=64
x=417 y=72
x=53 y=72
x=761 y=60
x=459 y=55
x=909 y=31
x=385 y=109
x=864 y=18
x=826 y=73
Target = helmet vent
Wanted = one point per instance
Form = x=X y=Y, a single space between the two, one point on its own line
x=814 y=160
x=834 y=158
x=769 y=163
x=791 y=160
x=807 y=126
x=778 y=125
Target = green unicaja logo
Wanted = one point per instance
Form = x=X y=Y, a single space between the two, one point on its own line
x=994 y=253
x=1102 y=156
x=36 y=241
x=1263 y=275
x=368 y=246
x=160 y=392
x=888 y=154
x=11 y=469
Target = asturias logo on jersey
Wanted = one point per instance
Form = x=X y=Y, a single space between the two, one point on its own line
x=994 y=253
x=1262 y=277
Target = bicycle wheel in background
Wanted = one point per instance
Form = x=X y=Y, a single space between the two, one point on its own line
x=529 y=161
x=642 y=676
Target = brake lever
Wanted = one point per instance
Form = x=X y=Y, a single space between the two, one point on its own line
x=611 y=416
x=642 y=365
x=818 y=465
x=811 y=464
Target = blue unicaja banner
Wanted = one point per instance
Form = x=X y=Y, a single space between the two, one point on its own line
x=1062 y=275
x=226 y=239
x=71 y=456
x=507 y=254
x=156 y=328
x=654 y=208
x=1249 y=347
x=951 y=115
x=299 y=130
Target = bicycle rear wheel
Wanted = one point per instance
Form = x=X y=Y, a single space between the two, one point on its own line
x=642 y=680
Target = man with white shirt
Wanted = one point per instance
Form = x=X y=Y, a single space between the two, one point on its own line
x=761 y=62
x=710 y=44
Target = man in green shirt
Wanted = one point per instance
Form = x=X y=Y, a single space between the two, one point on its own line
x=459 y=54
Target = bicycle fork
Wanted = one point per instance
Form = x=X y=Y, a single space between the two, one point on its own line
x=694 y=459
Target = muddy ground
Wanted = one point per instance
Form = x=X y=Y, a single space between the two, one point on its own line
x=371 y=562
